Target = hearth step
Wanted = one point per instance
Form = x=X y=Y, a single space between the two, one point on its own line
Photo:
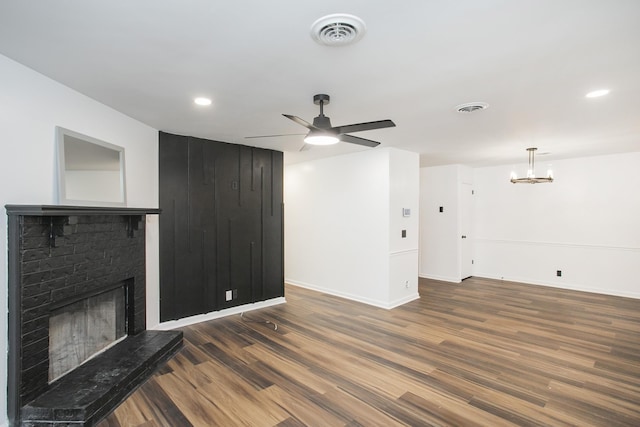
x=91 y=391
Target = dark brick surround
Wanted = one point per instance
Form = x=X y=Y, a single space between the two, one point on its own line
x=59 y=255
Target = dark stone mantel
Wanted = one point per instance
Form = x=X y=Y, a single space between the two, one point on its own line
x=61 y=210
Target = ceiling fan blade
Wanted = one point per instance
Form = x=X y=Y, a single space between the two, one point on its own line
x=299 y=121
x=359 y=127
x=357 y=140
x=274 y=136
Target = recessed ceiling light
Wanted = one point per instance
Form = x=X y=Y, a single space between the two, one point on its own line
x=202 y=101
x=597 y=93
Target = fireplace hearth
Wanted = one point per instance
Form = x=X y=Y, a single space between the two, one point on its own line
x=64 y=260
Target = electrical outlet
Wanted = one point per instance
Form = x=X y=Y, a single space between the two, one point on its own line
x=235 y=293
x=228 y=295
x=559 y=273
x=406 y=284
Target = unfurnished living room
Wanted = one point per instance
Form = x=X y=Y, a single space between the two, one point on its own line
x=336 y=213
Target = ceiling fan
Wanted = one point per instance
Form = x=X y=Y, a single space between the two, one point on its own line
x=322 y=133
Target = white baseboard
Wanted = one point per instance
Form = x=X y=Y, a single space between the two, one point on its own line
x=568 y=286
x=403 y=301
x=441 y=278
x=358 y=298
x=173 y=324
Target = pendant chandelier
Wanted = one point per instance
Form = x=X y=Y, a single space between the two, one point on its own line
x=531 y=174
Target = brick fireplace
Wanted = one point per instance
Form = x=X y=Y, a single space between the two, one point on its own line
x=60 y=256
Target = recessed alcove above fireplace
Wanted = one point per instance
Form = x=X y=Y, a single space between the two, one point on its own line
x=78 y=342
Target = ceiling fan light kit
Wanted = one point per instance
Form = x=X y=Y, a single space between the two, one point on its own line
x=321 y=138
x=531 y=175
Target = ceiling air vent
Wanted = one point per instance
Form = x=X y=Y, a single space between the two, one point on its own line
x=471 y=107
x=338 y=30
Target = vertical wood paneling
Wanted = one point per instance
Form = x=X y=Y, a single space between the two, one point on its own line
x=173 y=160
x=273 y=230
x=222 y=224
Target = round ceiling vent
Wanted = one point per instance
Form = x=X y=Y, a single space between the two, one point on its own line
x=471 y=107
x=338 y=29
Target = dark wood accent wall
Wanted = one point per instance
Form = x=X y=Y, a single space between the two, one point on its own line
x=222 y=225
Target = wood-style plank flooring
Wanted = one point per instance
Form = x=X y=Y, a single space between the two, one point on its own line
x=481 y=353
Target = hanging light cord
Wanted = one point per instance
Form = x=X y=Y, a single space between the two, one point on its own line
x=275 y=327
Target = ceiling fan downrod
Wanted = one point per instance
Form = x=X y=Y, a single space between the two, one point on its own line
x=320 y=100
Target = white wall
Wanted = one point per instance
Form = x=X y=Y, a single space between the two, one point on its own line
x=440 y=250
x=404 y=192
x=338 y=225
x=31 y=105
x=586 y=223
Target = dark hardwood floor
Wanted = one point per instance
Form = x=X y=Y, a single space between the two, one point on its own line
x=481 y=353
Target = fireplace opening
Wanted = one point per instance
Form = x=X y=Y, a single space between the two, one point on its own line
x=84 y=328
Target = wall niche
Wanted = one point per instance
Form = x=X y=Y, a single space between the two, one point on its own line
x=221 y=231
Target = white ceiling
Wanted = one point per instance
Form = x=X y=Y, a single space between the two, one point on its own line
x=531 y=60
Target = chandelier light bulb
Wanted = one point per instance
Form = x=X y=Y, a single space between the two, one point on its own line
x=549 y=173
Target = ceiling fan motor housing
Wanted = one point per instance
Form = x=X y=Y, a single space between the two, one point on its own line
x=322 y=122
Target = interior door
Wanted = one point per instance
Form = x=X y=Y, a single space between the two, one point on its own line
x=466 y=246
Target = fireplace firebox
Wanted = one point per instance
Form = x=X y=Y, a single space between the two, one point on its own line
x=77 y=277
x=82 y=329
